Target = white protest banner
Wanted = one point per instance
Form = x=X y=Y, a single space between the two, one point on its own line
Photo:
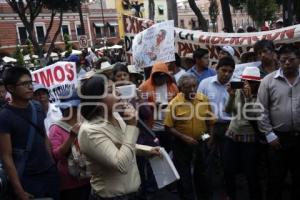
x=155 y=44
x=187 y=41
x=58 y=77
x=237 y=74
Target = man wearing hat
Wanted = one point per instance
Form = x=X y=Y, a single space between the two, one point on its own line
x=41 y=94
x=240 y=148
x=226 y=51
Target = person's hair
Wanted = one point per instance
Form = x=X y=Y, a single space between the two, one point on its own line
x=13 y=74
x=94 y=86
x=262 y=44
x=177 y=60
x=248 y=57
x=199 y=53
x=226 y=61
x=119 y=67
x=289 y=48
x=100 y=61
x=250 y=29
x=184 y=78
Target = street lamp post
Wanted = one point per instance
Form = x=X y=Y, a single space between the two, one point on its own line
x=103 y=20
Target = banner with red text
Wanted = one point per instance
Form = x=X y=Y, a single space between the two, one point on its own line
x=187 y=41
x=57 y=78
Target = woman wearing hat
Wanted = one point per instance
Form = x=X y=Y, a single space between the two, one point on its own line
x=240 y=147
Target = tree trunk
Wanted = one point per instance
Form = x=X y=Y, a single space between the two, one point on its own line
x=81 y=17
x=201 y=20
x=288 y=11
x=151 y=10
x=172 y=11
x=49 y=27
x=55 y=35
x=227 y=15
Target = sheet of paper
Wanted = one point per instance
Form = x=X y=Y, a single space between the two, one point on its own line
x=164 y=169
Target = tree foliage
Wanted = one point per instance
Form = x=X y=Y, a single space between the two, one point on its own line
x=19 y=57
x=262 y=10
x=68 y=45
x=30 y=50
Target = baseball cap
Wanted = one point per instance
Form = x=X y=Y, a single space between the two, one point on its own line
x=229 y=50
x=39 y=86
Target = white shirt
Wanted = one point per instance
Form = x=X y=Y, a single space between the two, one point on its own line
x=178 y=75
x=53 y=115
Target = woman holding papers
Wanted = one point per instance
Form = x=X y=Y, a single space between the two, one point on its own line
x=108 y=141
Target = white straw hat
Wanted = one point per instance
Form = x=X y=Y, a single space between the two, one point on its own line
x=251 y=74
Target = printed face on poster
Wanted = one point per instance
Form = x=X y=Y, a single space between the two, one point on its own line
x=155 y=44
x=57 y=78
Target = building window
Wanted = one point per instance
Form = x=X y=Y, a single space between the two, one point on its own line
x=40 y=33
x=23 y=36
x=112 y=31
x=98 y=29
x=182 y=23
x=65 y=30
x=160 y=10
x=78 y=30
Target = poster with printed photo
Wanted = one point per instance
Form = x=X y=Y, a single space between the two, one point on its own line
x=155 y=44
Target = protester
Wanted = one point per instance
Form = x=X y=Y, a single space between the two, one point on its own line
x=215 y=88
x=248 y=57
x=63 y=138
x=188 y=118
x=158 y=90
x=279 y=94
x=240 y=150
x=120 y=74
x=201 y=69
x=41 y=94
x=109 y=142
x=3 y=93
x=265 y=52
x=226 y=51
x=175 y=68
x=32 y=173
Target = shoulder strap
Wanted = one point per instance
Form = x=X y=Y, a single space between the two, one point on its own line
x=30 y=121
x=22 y=163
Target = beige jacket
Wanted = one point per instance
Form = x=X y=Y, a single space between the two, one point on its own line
x=111 y=157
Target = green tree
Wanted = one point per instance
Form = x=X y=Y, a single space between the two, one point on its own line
x=262 y=10
x=68 y=45
x=30 y=50
x=19 y=57
x=201 y=20
x=213 y=13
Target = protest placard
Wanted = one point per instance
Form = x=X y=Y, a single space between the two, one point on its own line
x=57 y=78
x=155 y=44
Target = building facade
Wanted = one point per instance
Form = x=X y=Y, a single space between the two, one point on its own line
x=188 y=20
x=101 y=25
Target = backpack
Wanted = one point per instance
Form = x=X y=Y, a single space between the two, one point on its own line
x=77 y=163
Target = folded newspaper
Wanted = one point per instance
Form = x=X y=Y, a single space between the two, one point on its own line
x=164 y=170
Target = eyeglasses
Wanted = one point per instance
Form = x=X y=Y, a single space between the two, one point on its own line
x=25 y=83
x=283 y=61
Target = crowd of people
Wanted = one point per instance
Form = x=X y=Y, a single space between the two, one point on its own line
x=91 y=144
